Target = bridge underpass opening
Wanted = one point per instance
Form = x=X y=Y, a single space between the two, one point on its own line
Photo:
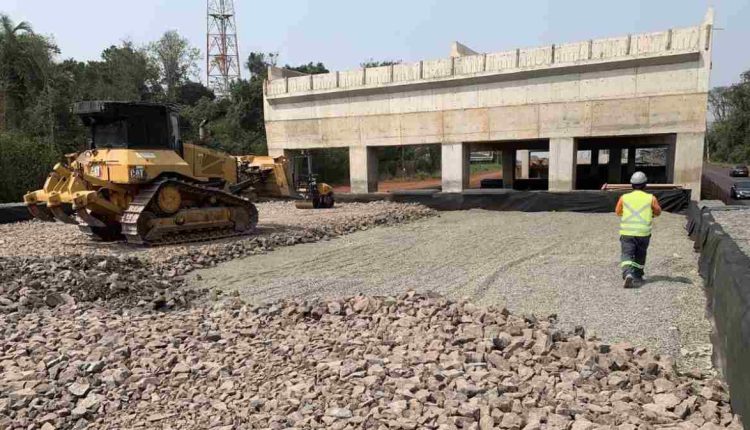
x=330 y=165
x=614 y=159
x=517 y=165
x=408 y=167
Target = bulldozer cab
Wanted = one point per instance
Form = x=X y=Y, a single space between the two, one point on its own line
x=124 y=125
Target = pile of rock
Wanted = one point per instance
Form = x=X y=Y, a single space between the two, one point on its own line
x=153 y=277
x=417 y=361
x=43 y=239
x=32 y=283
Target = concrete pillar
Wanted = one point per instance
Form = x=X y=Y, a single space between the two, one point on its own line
x=631 y=161
x=523 y=155
x=614 y=167
x=670 y=159
x=454 y=159
x=278 y=152
x=688 y=162
x=363 y=169
x=509 y=168
x=562 y=164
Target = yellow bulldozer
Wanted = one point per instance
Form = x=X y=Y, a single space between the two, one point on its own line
x=138 y=180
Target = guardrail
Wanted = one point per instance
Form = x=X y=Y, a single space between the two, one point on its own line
x=678 y=40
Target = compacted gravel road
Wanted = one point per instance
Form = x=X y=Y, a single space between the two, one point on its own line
x=542 y=263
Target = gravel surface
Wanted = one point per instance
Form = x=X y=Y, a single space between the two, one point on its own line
x=542 y=263
x=114 y=336
x=365 y=362
x=736 y=223
x=65 y=266
x=43 y=239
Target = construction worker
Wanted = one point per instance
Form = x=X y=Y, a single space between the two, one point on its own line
x=636 y=210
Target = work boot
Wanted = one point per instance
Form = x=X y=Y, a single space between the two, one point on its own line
x=629 y=281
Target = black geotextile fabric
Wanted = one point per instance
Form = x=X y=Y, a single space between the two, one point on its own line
x=13 y=212
x=725 y=269
x=501 y=200
x=537 y=201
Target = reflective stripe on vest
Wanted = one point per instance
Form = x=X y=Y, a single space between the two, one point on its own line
x=636 y=214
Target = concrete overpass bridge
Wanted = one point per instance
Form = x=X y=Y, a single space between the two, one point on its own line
x=602 y=95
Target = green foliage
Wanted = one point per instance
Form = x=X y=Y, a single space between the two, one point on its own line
x=373 y=63
x=39 y=92
x=24 y=164
x=258 y=62
x=124 y=73
x=729 y=134
x=485 y=167
x=25 y=60
x=309 y=68
x=236 y=123
x=177 y=61
x=330 y=165
x=408 y=161
x=190 y=93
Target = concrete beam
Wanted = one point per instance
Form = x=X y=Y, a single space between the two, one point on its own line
x=523 y=155
x=509 y=168
x=280 y=73
x=278 y=152
x=688 y=161
x=461 y=50
x=454 y=159
x=562 y=164
x=363 y=169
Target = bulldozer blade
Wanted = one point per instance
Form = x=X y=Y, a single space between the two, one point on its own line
x=60 y=215
x=303 y=204
x=89 y=219
x=41 y=212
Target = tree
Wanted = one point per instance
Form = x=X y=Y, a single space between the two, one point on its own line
x=177 y=61
x=729 y=134
x=372 y=63
x=25 y=60
x=258 y=62
x=309 y=68
x=190 y=93
x=124 y=73
x=24 y=164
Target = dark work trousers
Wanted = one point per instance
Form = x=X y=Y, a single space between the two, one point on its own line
x=633 y=259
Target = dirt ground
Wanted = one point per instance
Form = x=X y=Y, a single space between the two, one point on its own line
x=396 y=184
x=541 y=263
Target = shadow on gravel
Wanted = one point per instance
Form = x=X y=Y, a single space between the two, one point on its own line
x=662 y=278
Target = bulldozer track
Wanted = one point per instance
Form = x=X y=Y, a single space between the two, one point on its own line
x=130 y=218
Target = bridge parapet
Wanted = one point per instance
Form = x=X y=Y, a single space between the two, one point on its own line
x=678 y=41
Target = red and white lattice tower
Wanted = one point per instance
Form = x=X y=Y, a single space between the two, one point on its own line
x=222 y=52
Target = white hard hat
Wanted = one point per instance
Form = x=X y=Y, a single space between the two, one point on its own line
x=638 y=178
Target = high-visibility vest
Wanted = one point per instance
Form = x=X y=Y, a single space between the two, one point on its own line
x=637 y=215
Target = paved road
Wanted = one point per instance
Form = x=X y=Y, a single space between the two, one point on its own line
x=542 y=263
x=718 y=184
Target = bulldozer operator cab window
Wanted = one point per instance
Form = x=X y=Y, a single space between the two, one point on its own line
x=130 y=132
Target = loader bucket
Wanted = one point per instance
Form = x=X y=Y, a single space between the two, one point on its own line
x=304 y=204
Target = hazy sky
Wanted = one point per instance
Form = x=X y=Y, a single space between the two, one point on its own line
x=344 y=33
